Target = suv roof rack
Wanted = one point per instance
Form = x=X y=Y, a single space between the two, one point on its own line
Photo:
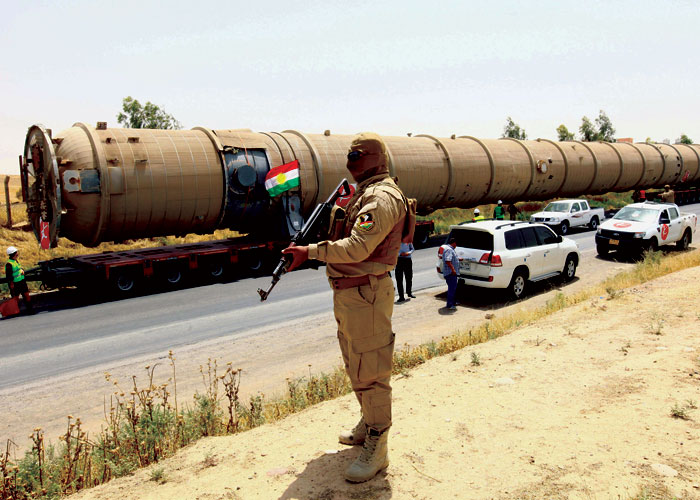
x=470 y=221
x=513 y=223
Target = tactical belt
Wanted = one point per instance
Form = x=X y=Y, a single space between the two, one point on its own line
x=343 y=283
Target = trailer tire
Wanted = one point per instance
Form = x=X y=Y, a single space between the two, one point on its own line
x=173 y=276
x=253 y=264
x=216 y=269
x=124 y=283
x=422 y=239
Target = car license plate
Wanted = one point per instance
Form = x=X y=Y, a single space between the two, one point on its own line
x=465 y=266
x=614 y=242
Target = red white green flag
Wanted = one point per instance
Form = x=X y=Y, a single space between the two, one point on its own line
x=282 y=178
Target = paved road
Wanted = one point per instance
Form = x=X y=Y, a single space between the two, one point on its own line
x=61 y=341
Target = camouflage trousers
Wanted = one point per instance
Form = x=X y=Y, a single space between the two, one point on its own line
x=366 y=342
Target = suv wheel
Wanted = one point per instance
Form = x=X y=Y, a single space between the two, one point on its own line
x=569 y=269
x=564 y=227
x=516 y=288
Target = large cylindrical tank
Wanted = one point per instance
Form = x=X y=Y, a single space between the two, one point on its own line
x=94 y=184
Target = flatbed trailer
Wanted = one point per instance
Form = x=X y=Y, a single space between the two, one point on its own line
x=125 y=271
x=424 y=228
x=682 y=195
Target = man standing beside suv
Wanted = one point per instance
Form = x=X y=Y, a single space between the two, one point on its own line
x=449 y=271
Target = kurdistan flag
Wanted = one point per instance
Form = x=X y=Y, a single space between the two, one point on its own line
x=282 y=178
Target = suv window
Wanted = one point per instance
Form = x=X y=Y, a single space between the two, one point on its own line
x=673 y=212
x=545 y=236
x=514 y=239
x=529 y=236
x=471 y=238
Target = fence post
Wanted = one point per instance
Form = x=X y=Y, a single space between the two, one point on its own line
x=7 y=200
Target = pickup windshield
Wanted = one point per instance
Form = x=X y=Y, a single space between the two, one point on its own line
x=557 y=206
x=637 y=214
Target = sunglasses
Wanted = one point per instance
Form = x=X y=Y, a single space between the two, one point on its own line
x=356 y=155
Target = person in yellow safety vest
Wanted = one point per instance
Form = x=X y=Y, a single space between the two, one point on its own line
x=15 y=278
x=499 y=213
x=477 y=215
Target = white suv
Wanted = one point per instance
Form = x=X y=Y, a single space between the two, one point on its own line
x=501 y=254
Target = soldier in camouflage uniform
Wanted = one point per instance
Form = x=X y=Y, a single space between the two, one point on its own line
x=359 y=257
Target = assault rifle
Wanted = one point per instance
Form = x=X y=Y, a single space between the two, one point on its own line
x=315 y=225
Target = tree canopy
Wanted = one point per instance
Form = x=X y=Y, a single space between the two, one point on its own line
x=587 y=130
x=685 y=139
x=564 y=134
x=149 y=115
x=513 y=130
x=606 y=131
x=603 y=129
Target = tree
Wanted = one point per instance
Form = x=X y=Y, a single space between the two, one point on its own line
x=587 y=130
x=513 y=130
x=147 y=116
x=564 y=134
x=603 y=132
x=606 y=132
x=684 y=139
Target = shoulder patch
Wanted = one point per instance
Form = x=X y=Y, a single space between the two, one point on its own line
x=365 y=221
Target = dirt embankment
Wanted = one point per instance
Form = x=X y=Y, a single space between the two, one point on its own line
x=575 y=406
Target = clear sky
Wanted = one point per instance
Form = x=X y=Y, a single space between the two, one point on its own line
x=393 y=67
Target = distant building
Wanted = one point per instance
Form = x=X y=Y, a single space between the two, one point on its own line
x=625 y=139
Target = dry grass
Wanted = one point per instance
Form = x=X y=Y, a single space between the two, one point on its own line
x=446 y=217
x=30 y=253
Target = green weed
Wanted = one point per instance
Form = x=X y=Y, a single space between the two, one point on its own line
x=476 y=361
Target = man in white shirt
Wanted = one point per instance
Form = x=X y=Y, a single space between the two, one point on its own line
x=404 y=268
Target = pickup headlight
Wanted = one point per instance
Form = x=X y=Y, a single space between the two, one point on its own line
x=639 y=235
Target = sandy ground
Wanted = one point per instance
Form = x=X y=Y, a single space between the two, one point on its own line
x=574 y=406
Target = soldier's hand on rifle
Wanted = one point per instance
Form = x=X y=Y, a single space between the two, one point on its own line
x=299 y=255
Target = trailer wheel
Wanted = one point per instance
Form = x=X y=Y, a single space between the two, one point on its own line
x=422 y=239
x=253 y=263
x=124 y=283
x=216 y=269
x=173 y=276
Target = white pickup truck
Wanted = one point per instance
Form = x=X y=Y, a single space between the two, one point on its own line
x=564 y=214
x=646 y=226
